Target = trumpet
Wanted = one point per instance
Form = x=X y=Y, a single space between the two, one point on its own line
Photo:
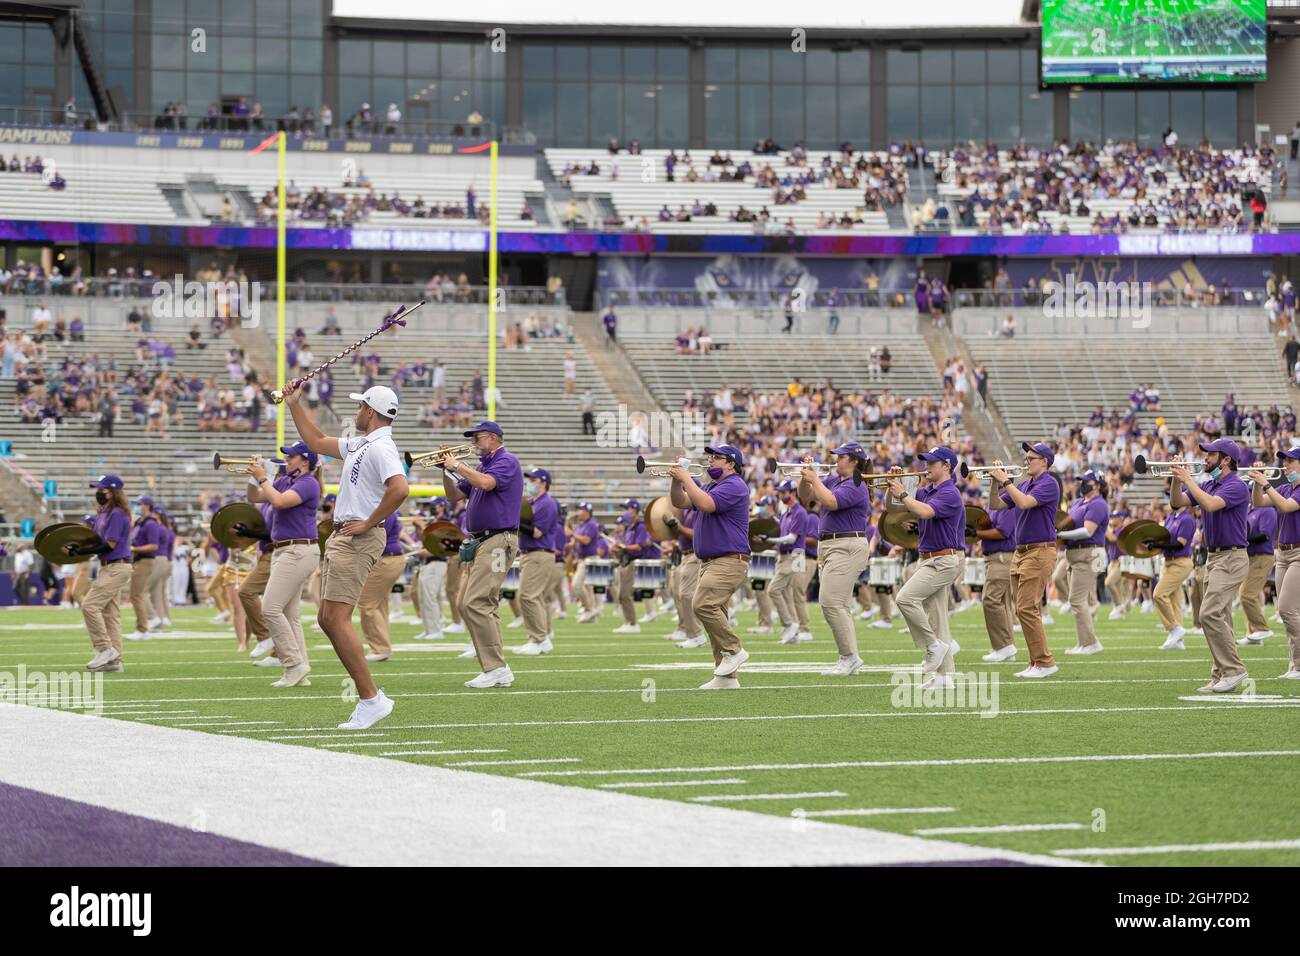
x=791 y=469
x=659 y=469
x=236 y=466
x=1164 y=469
x=458 y=452
x=882 y=479
x=1271 y=472
x=984 y=471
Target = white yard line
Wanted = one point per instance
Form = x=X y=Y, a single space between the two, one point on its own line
x=1001 y=828
x=512 y=763
x=870 y=811
x=436 y=753
x=733 y=797
x=386 y=743
x=646 y=784
x=227 y=723
x=1179 y=848
x=350 y=735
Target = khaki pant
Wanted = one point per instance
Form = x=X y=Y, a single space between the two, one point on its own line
x=250 y=596
x=312 y=588
x=781 y=588
x=216 y=589
x=1197 y=595
x=373 y=603
x=141 y=603
x=1168 y=595
x=559 y=575
x=842 y=561
x=923 y=602
x=1225 y=571
x=481 y=596
x=582 y=592
x=688 y=580
x=80 y=583
x=536 y=570
x=160 y=582
x=1083 y=592
x=100 y=608
x=1287 y=580
x=766 y=609
x=432 y=576
x=623 y=578
x=453 y=587
x=719 y=579
x=998 y=599
x=347 y=563
x=1116 y=586
x=1061 y=576
x=803 y=577
x=290 y=566
x=1030 y=570
x=1252 y=591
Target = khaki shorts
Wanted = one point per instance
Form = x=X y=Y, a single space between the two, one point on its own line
x=347 y=563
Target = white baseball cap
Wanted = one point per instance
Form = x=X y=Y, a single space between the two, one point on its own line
x=379 y=397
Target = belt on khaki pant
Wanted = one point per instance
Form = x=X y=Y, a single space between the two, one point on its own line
x=1024 y=548
x=1287 y=547
x=926 y=555
x=729 y=554
x=288 y=541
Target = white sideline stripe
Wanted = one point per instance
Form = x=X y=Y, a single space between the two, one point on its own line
x=1001 y=828
x=148 y=713
x=730 y=797
x=385 y=743
x=1179 y=848
x=633 y=784
x=868 y=811
x=435 y=753
x=153 y=715
x=354 y=733
x=955 y=762
x=504 y=763
x=228 y=723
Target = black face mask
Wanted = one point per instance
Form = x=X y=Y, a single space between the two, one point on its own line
x=1085 y=488
x=101 y=497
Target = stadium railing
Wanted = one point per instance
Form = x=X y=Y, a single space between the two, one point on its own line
x=121 y=288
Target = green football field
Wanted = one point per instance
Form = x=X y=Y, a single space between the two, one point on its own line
x=1116 y=752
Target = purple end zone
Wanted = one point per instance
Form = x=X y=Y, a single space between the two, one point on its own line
x=42 y=830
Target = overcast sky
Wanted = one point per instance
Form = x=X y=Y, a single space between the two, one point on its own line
x=751 y=13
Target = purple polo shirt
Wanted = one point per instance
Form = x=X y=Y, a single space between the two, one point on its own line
x=298 y=521
x=1262 y=521
x=947 y=529
x=268 y=519
x=792 y=522
x=114 y=525
x=168 y=539
x=1180 y=524
x=811 y=528
x=146 y=532
x=1226 y=528
x=853 y=507
x=1036 y=524
x=689 y=519
x=588 y=529
x=393 y=532
x=638 y=534
x=1091 y=509
x=1289 y=522
x=546 y=519
x=1004 y=522
x=725 y=530
x=498 y=508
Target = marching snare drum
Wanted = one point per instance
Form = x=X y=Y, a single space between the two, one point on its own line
x=1132 y=567
x=510 y=586
x=883 y=574
x=600 y=572
x=648 y=577
x=762 y=569
x=976 y=572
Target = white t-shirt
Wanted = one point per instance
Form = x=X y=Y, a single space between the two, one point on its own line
x=23 y=562
x=368 y=462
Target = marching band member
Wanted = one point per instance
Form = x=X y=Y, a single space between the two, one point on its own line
x=217 y=585
x=586 y=544
x=557 y=596
x=1035 y=501
x=763 y=596
x=923 y=600
x=161 y=576
x=842 y=539
x=372 y=486
x=635 y=543
x=1115 y=584
x=1090 y=515
x=998 y=545
x=1200 y=561
x=80 y=586
x=455 y=576
x=100 y=608
x=294 y=553
x=372 y=605
x=250 y=590
x=721 y=538
x=1261 y=529
x=1224 y=500
x=691 y=631
x=1286 y=501
x=805 y=569
x=1168 y=595
x=884 y=600
x=495 y=493
x=432 y=577
x=144 y=547
x=537 y=562
x=789 y=545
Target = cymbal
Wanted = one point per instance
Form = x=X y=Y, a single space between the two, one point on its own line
x=52 y=541
x=1063 y=520
x=900 y=528
x=1132 y=536
x=442 y=538
x=764 y=528
x=237 y=512
x=979 y=520
x=324 y=528
x=525 y=511
x=655 y=513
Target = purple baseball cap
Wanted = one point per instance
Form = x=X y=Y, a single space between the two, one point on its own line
x=940 y=453
x=727 y=451
x=541 y=473
x=852 y=449
x=1040 y=448
x=300 y=448
x=632 y=503
x=145 y=500
x=492 y=427
x=1292 y=453
x=331 y=497
x=1093 y=477
x=786 y=485
x=1225 y=446
x=107 y=481
x=584 y=506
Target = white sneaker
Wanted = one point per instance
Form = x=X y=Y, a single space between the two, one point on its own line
x=153 y=624
x=1207 y=688
x=1038 y=671
x=722 y=683
x=138 y=636
x=500 y=677
x=790 y=634
x=731 y=663
x=845 y=667
x=517 y=622
x=221 y=617
x=295 y=676
x=535 y=648
x=376 y=658
x=469 y=653
x=1276 y=618
x=956 y=648
x=1086 y=649
x=166 y=624
x=1196 y=630
x=627 y=629
x=394 y=617
x=868 y=614
x=882 y=625
x=1254 y=637
x=937 y=681
x=761 y=629
x=1292 y=674
x=430 y=636
x=694 y=641
x=803 y=637
x=1015 y=628
x=1147 y=607
x=454 y=628
x=271 y=661
x=1116 y=613
x=112 y=667
x=1048 y=619
x=368 y=713
x=934 y=655
x=1226 y=684
x=107 y=656
x=647 y=618
x=677 y=634
x=262 y=648
x=1004 y=654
